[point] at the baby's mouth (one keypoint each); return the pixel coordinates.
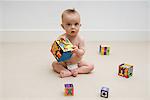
(72, 32)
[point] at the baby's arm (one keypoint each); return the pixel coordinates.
(79, 50)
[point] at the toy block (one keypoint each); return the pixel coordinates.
(62, 49)
(104, 50)
(104, 92)
(69, 90)
(125, 70)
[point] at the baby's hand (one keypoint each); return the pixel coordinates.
(62, 38)
(75, 49)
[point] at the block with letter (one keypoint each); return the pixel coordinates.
(69, 90)
(104, 49)
(104, 92)
(62, 49)
(125, 70)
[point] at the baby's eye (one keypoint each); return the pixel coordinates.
(76, 24)
(68, 24)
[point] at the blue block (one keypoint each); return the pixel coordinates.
(65, 56)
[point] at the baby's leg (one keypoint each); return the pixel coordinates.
(85, 67)
(60, 68)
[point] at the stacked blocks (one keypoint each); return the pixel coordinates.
(69, 90)
(104, 92)
(125, 70)
(104, 50)
(62, 49)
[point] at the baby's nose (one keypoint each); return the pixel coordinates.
(73, 26)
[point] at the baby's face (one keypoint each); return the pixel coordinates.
(71, 23)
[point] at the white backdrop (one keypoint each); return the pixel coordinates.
(103, 20)
(95, 15)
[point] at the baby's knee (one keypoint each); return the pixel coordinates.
(91, 67)
(54, 64)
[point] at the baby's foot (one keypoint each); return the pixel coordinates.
(74, 72)
(65, 73)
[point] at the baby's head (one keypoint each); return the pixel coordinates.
(71, 22)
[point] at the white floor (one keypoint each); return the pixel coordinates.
(27, 74)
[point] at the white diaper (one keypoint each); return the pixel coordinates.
(72, 66)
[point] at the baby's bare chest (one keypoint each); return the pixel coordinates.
(75, 42)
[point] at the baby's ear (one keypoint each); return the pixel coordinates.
(80, 25)
(62, 26)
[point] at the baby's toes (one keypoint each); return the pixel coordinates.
(75, 73)
(65, 73)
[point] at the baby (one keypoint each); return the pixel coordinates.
(75, 65)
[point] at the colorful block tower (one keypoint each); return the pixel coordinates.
(125, 70)
(69, 90)
(62, 49)
(104, 92)
(104, 50)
